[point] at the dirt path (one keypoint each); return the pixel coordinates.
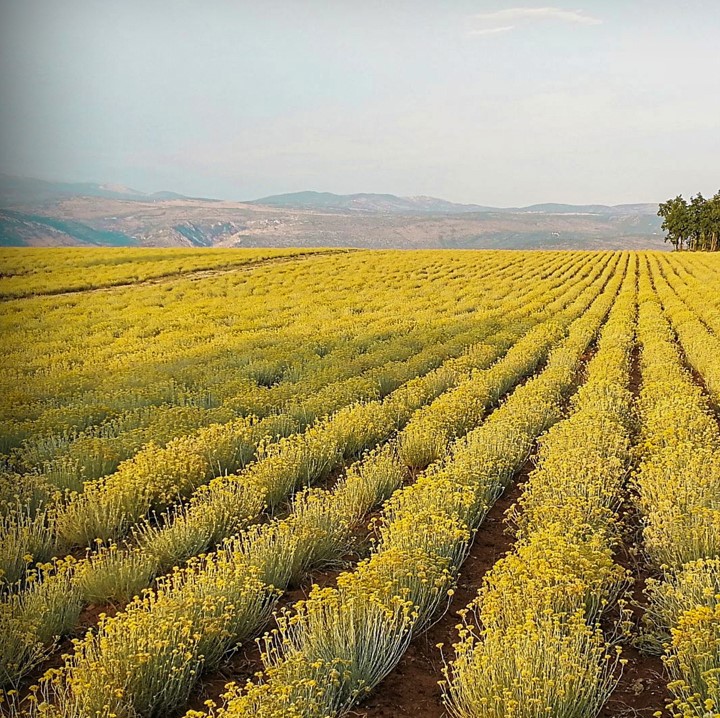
(190, 274)
(412, 689)
(642, 689)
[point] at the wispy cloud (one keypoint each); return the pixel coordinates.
(491, 30)
(496, 22)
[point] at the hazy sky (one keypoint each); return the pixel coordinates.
(499, 103)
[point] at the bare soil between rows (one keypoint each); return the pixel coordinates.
(642, 688)
(412, 688)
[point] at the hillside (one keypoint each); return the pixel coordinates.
(369, 202)
(40, 213)
(366, 202)
(30, 191)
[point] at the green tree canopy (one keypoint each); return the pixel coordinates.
(694, 225)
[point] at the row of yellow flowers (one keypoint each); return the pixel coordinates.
(114, 502)
(292, 372)
(245, 378)
(108, 507)
(215, 357)
(303, 457)
(28, 272)
(700, 345)
(227, 505)
(70, 362)
(530, 643)
(698, 290)
(702, 270)
(147, 659)
(331, 650)
(429, 431)
(41, 532)
(244, 607)
(678, 484)
(49, 607)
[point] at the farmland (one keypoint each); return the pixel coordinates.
(302, 483)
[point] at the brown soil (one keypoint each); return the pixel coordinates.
(412, 689)
(241, 666)
(642, 689)
(90, 615)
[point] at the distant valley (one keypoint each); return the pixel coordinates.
(39, 213)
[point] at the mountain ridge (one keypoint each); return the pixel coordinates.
(16, 190)
(42, 213)
(383, 202)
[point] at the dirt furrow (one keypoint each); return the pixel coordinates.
(412, 688)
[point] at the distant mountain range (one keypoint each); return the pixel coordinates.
(36, 212)
(369, 202)
(366, 202)
(28, 190)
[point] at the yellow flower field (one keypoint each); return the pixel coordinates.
(247, 483)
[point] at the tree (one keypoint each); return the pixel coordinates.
(712, 218)
(694, 226)
(697, 225)
(676, 223)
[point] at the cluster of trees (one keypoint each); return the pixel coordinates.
(693, 225)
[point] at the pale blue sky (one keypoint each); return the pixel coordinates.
(500, 103)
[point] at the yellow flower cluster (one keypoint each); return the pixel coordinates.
(700, 345)
(368, 365)
(336, 646)
(455, 412)
(531, 643)
(230, 503)
(678, 485)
